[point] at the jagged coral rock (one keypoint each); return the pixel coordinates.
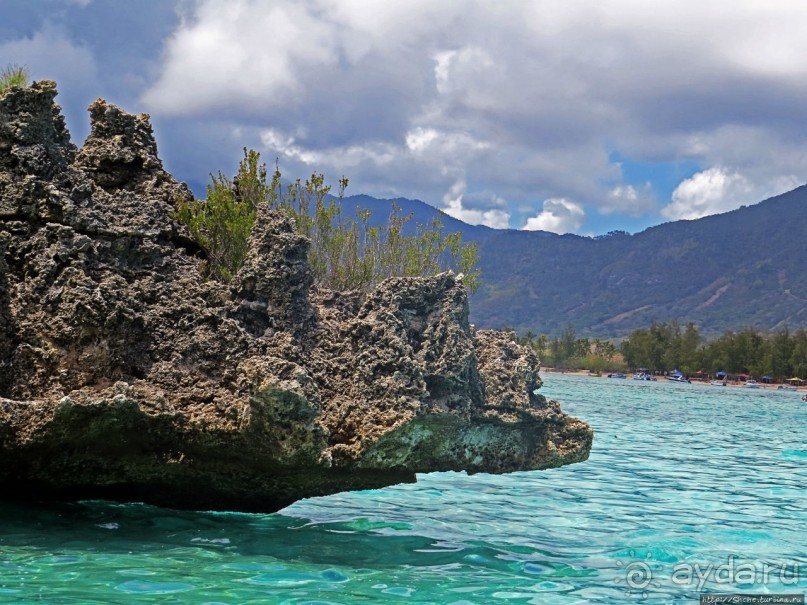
(5, 318)
(33, 136)
(274, 281)
(121, 150)
(125, 375)
(510, 372)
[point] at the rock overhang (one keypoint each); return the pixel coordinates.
(125, 375)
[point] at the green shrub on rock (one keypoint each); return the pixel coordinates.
(13, 75)
(347, 252)
(222, 222)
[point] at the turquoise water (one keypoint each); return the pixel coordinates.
(689, 489)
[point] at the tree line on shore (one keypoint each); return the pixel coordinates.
(666, 346)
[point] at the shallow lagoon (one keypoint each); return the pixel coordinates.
(689, 488)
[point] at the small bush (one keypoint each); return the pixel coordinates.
(346, 252)
(222, 222)
(13, 75)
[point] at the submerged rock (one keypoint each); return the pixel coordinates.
(125, 375)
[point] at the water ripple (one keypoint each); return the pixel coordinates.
(681, 478)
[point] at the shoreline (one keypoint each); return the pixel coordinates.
(729, 383)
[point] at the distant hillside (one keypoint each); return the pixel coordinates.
(742, 268)
(423, 214)
(745, 268)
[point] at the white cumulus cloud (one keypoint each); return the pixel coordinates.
(709, 192)
(331, 158)
(558, 216)
(527, 100)
(630, 200)
(496, 218)
(241, 53)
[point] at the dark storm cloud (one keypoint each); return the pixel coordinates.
(496, 111)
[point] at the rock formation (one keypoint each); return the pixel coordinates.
(125, 375)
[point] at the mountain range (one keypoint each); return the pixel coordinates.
(742, 269)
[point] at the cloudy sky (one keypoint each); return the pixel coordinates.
(577, 116)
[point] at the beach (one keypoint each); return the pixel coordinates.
(728, 383)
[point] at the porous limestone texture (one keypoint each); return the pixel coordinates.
(124, 374)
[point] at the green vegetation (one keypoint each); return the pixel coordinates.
(221, 224)
(667, 346)
(663, 347)
(347, 252)
(13, 75)
(567, 351)
(660, 347)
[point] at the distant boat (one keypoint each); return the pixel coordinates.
(786, 387)
(752, 384)
(718, 383)
(619, 375)
(677, 378)
(643, 376)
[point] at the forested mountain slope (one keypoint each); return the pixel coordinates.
(743, 268)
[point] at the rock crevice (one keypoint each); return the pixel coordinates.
(125, 375)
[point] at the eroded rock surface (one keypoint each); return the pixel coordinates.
(125, 375)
